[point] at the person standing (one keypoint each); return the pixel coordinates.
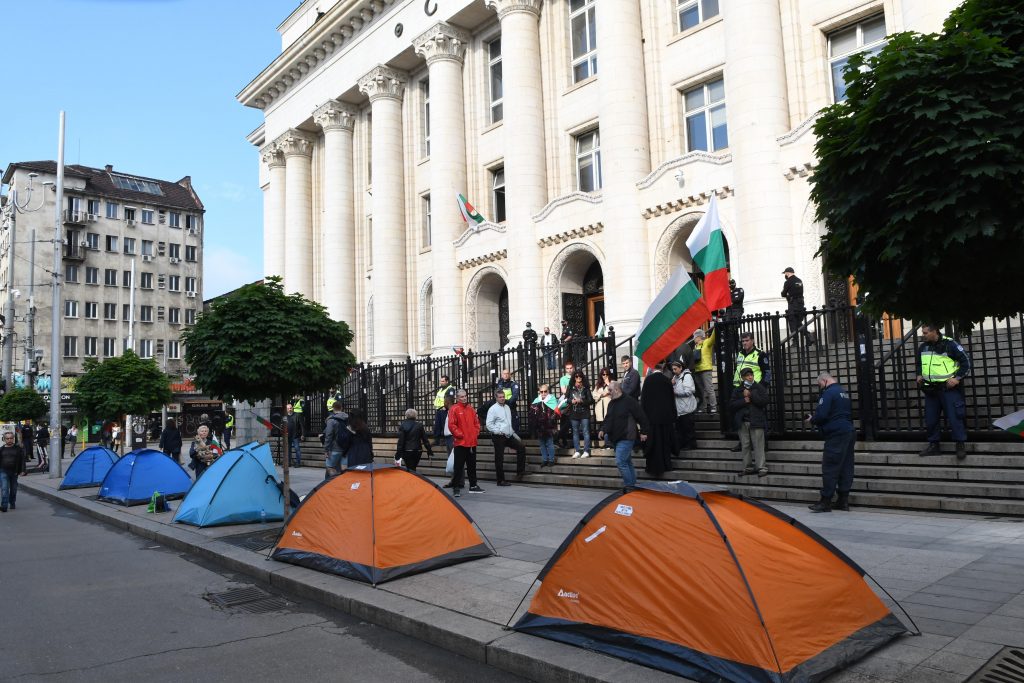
(703, 370)
(204, 450)
(685, 392)
(444, 390)
(72, 438)
(43, 444)
(602, 397)
(630, 378)
(567, 350)
(564, 425)
(659, 405)
(12, 463)
(625, 423)
(465, 427)
(544, 424)
(510, 388)
(529, 335)
(63, 439)
(28, 440)
(412, 440)
(747, 404)
(360, 446)
(796, 310)
(735, 310)
(336, 440)
(549, 343)
(115, 436)
(834, 417)
(294, 422)
(942, 365)
(170, 440)
(229, 428)
(753, 358)
(578, 401)
(499, 424)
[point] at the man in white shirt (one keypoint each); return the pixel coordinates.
(499, 424)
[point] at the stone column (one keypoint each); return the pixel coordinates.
(385, 88)
(298, 249)
(338, 257)
(625, 159)
(526, 190)
(923, 16)
(757, 112)
(273, 211)
(444, 48)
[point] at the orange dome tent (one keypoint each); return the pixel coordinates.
(709, 585)
(375, 523)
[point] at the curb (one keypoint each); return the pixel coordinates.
(527, 656)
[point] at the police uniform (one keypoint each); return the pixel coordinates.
(834, 418)
(440, 414)
(756, 360)
(937, 362)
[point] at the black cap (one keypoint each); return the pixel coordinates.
(746, 371)
(789, 270)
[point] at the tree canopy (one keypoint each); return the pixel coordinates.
(124, 384)
(259, 343)
(22, 404)
(920, 170)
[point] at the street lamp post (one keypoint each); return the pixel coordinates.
(55, 351)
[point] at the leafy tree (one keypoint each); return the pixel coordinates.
(125, 384)
(260, 343)
(920, 170)
(22, 404)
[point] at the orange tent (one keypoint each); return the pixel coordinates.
(709, 585)
(375, 523)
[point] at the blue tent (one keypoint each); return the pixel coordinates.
(89, 468)
(240, 487)
(133, 479)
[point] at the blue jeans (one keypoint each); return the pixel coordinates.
(547, 448)
(583, 425)
(950, 402)
(9, 486)
(296, 451)
(624, 461)
(549, 357)
(337, 461)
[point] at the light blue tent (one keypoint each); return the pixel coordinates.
(134, 478)
(240, 487)
(89, 468)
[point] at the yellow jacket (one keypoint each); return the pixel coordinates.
(707, 349)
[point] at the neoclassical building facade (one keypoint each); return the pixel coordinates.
(590, 135)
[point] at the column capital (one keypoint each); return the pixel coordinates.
(506, 7)
(383, 82)
(334, 115)
(295, 143)
(271, 155)
(442, 42)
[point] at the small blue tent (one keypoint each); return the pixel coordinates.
(133, 479)
(89, 468)
(240, 487)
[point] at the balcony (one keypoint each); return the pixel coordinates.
(75, 217)
(75, 252)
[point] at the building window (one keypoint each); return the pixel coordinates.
(494, 74)
(110, 277)
(583, 32)
(174, 283)
(425, 115)
(174, 219)
(705, 117)
(91, 310)
(173, 349)
(692, 12)
(174, 316)
(70, 308)
(109, 348)
(92, 241)
(190, 284)
(94, 207)
(92, 275)
(425, 228)
(70, 347)
(191, 253)
(112, 209)
(145, 348)
(147, 216)
(71, 273)
(146, 314)
(498, 194)
(111, 242)
(126, 313)
(135, 184)
(146, 281)
(90, 347)
(191, 222)
(126, 278)
(147, 247)
(190, 316)
(588, 161)
(867, 36)
(129, 214)
(129, 246)
(174, 250)
(110, 311)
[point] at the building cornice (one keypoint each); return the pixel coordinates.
(569, 235)
(588, 197)
(476, 229)
(686, 202)
(798, 132)
(679, 162)
(499, 255)
(802, 171)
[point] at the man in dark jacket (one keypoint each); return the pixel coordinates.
(624, 422)
(630, 378)
(747, 404)
(170, 440)
(942, 365)
(793, 292)
(834, 417)
(412, 439)
(294, 421)
(336, 440)
(12, 463)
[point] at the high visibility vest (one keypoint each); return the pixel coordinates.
(439, 397)
(938, 367)
(330, 403)
(297, 405)
(230, 422)
(750, 360)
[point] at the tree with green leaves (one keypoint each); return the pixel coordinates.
(122, 385)
(22, 404)
(920, 170)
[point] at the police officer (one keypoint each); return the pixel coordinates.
(834, 418)
(529, 335)
(735, 310)
(793, 292)
(229, 429)
(942, 365)
(749, 356)
(440, 412)
(510, 388)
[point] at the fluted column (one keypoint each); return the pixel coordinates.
(273, 211)
(444, 48)
(625, 159)
(338, 254)
(298, 249)
(526, 190)
(757, 112)
(385, 88)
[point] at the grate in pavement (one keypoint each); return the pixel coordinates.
(271, 604)
(260, 540)
(1007, 666)
(237, 596)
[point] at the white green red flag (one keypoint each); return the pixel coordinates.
(707, 248)
(677, 311)
(600, 329)
(1013, 423)
(470, 214)
(550, 401)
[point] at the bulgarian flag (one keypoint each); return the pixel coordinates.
(677, 311)
(550, 402)
(707, 248)
(473, 217)
(1013, 423)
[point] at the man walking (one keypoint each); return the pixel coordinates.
(549, 342)
(793, 292)
(12, 463)
(942, 365)
(440, 412)
(703, 365)
(465, 428)
(499, 424)
(624, 423)
(294, 421)
(747, 404)
(336, 440)
(834, 417)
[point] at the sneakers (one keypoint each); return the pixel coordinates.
(931, 449)
(576, 455)
(500, 483)
(475, 489)
(456, 493)
(586, 454)
(961, 450)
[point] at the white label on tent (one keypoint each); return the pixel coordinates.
(355, 485)
(624, 510)
(594, 535)
(297, 533)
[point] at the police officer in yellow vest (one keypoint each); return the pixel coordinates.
(749, 356)
(440, 412)
(229, 429)
(942, 365)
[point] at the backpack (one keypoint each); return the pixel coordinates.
(341, 435)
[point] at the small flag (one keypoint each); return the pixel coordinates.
(707, 247)
(600, 329)
(550, 401)
(672, 317)
(469, 214)
(1013, 423)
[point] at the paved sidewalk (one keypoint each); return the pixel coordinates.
(959, 577)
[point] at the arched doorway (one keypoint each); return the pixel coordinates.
(672, 251)
(580, 288)
(488, 311)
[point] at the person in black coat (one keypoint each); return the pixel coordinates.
(412, 440)
(170, 440)
(659, 405)
(360, 446)
(27, 440)
(748, 404)
(12, 464)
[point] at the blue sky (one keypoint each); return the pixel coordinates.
(148, 86)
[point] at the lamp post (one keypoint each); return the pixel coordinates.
(55, 351)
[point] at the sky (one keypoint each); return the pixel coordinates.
(148, 86)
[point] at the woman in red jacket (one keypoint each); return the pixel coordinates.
(465, 428)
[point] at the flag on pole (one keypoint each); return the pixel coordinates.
(470, 214)
(676, 312)
(707, 248)
(1013, 423)
(600, 329)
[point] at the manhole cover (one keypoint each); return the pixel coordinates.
(1007, 666)
(258, 541)
(237, 596)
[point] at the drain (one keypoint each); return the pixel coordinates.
(271, 604)
(250, 599)
(1007, 666)
(261, 540)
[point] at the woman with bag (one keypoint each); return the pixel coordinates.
(578, 399)
(411, 436)
(205, 449)
(602, 397)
